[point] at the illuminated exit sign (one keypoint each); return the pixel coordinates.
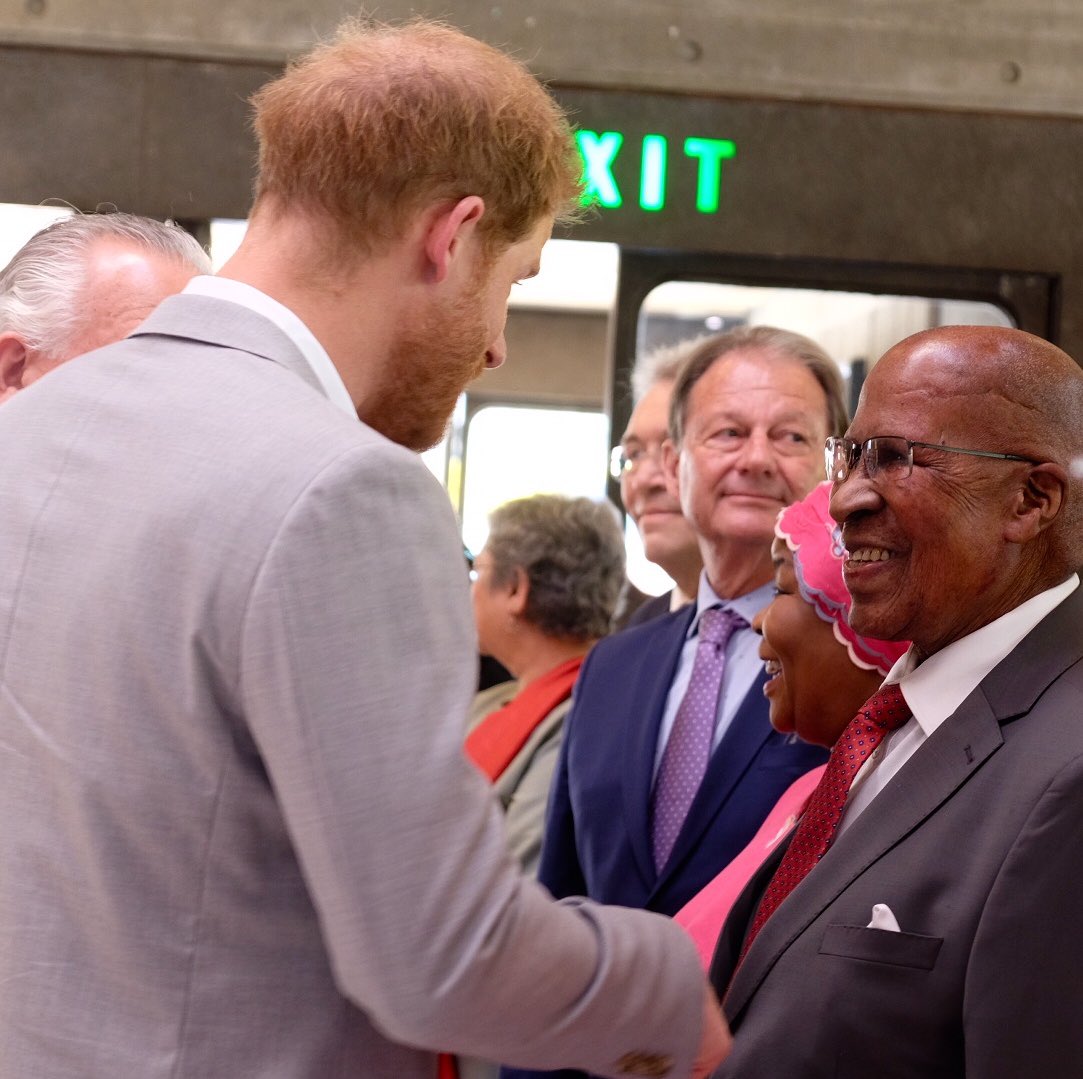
(599, 151)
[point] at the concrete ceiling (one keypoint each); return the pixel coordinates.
(990, 55)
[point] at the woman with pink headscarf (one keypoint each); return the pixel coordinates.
(821, 672)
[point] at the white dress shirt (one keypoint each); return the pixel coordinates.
(225, 288)
(935, 689)
(743, 663)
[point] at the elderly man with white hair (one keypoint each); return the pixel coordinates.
(669, 540)
(84, 282)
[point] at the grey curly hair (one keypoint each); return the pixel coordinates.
(572, 551)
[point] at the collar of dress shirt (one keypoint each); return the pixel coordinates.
(747, 606)
(935, 688)
(677, 599)
(225, 288)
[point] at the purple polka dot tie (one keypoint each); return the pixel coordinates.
(881, 714)
(688, 750)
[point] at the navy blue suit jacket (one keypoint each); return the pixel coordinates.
(597, 835)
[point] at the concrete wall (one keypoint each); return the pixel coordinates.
(553, 357)
(1004, 55)
(930, 134)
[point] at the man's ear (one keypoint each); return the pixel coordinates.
(671, 459)
(448, 230)
(12, 364)
(1036, 502)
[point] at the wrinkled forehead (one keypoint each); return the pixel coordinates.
(650, 417)
(928, 393)
(757, 385)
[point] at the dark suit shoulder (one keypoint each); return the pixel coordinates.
(640, 639)
(649, 609)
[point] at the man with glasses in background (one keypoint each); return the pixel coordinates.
(668, 538)
(924, 919)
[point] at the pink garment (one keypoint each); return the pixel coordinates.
(818, 557)
(702, 916)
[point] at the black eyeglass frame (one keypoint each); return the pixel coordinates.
(855, 451)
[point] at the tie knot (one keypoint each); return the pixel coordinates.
(716, 626)
(887, 708)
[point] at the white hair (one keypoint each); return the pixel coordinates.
(40, 287)
(661, 365)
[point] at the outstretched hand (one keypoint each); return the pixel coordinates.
(715, 1041)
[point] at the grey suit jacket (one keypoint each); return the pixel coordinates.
(976, 846)
(240, 838)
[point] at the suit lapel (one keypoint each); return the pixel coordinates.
(940, 768)
(1053, 646)
(230, 325)
(658, 655)
(936, 771)
(732, 935)
(747, 733)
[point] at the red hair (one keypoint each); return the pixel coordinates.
(381, 121)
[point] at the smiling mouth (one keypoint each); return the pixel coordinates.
(868, 554)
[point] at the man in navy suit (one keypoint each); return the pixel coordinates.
(749, 415)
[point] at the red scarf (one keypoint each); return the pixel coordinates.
(494, 742)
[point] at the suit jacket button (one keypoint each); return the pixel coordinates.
(649, 1065)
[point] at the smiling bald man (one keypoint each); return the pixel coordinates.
(938, 933)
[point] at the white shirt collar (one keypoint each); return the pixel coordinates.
(936, 688)
(315, 355)
(747, 606)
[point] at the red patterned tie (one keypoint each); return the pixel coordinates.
(882, 713)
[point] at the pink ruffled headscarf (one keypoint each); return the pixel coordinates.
(815, 539)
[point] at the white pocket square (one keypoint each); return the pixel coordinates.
(882, 918)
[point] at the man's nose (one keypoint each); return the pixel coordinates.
(852, 495)
(650, 464)
(497, 352)
(757, 452)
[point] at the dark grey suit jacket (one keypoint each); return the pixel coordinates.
(977, 847)
(239, 834)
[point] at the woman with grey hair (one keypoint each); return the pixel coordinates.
(545, 587)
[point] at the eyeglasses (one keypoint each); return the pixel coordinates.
(890, 454)
(623, 460)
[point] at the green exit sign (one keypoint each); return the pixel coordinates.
(599, 151)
